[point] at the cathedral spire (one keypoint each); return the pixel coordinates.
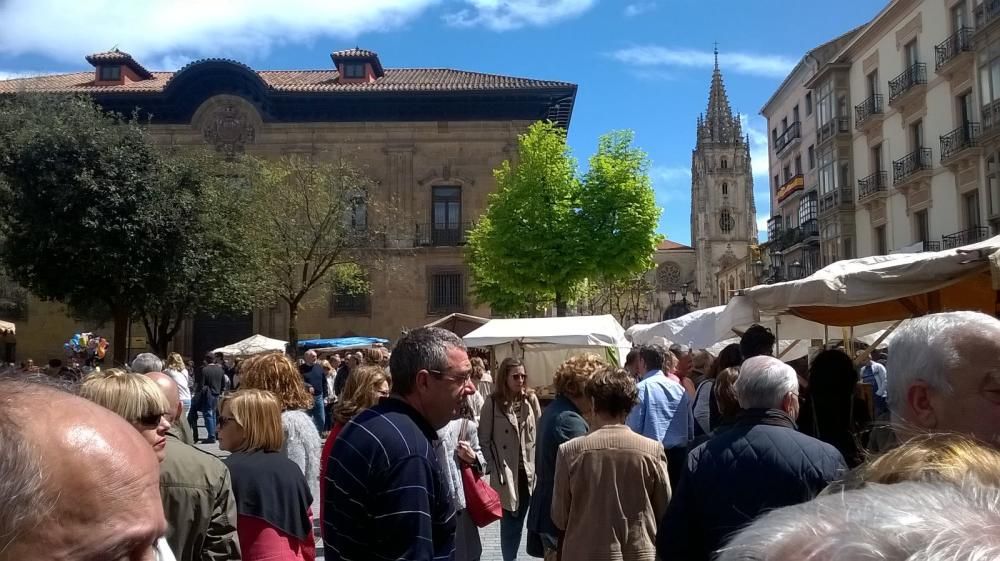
(719, 124)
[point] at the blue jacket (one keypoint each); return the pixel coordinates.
(560, 422)
(760, 464)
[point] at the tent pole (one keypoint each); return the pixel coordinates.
(867, 352)
(826, 335)
(788, 348)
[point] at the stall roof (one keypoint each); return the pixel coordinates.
(253, 345)
(575, 330)
(458, 323)
(7, 328)
(342, 343)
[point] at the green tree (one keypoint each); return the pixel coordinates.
(314, 223)
(528, 244)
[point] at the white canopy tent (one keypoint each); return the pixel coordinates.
(254, 345)
(7, 328)
(544, 343)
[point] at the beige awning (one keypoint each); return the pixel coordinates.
(6, 328)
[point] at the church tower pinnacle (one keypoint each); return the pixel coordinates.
(723, 214)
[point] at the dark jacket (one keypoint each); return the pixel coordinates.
(561, 421)
(198, 503)
(759, 464)
(213, 377)
(314, 377)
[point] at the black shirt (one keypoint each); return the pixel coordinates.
(213, 377)
(314, 376)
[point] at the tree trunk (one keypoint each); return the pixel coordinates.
(293, 329)
(560, 304)
(119, 345)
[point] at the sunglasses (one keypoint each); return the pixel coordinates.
(151, 420)
(519, 376)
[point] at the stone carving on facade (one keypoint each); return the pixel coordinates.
(229, 129)
(668, 276)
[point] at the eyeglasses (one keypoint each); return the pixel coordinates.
(151, 420)
(519, 376)
(464, 379)
(223, 421)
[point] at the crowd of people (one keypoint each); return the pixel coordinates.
(680, 455)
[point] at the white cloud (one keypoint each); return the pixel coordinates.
(762, 226)
(672, 185)
(505, 15)
(14, 74)
(639, 8)
(166, 34)
(771, 66)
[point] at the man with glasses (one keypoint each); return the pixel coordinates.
(385, 497)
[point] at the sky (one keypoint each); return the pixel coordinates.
(643, 65)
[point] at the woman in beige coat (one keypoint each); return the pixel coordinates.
(507, 427)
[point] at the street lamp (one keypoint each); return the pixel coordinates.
(695, 296)
(758, 269)
(795, 270)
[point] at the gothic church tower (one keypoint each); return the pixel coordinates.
(723, 215)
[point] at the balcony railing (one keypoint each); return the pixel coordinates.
(864, 111)
(932, 246)
(991, 117)
(953, 46)
(833, 127)
(916, 161)
(966, 136)
(965, 237)
(810, 228)
(774, 227)
(872, 186)
(442, 234)
(907, 80)
(791, 133)
(986, 13)
(838, 199)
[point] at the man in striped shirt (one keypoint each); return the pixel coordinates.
(385, 495)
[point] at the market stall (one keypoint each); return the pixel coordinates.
(544, 343)
(341, 344)
(254, 345)
(460, 324)
(7, 328)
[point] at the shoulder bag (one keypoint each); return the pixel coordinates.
(482, 502)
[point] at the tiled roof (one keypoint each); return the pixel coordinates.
(121, 57)
(353, 53)
(666, 245)
(294, 81)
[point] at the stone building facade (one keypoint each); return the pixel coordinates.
(723, 215)
(429, 138)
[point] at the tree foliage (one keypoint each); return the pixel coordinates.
(314, 222)
(546, 230)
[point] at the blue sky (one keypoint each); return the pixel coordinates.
(643, 65)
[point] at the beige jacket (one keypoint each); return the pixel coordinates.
(504, 445)
(611, 489)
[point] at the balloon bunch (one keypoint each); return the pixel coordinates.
(87, 346)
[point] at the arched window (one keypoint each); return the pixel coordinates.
(726, 221)
(725, 163)
(722, 293)
(725, 189)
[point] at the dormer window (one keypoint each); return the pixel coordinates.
(110, 73)
(354, 70)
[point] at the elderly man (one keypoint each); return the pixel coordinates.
(197, 493)
(78, 482)
(315, 380)
(945, 375)
(759, 464)
(145, 363)
(909, 520)
(385, 495)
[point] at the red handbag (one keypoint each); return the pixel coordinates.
(482, 502)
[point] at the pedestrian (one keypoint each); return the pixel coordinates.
(145, 363)
(874, 374)
(210, 385)
(315, 380)
(174, 367)
(664, 409)
(943, 375)
(457, 447)
(833, 412)
(724, 396)
(632, 363)
(477, 399)
(683, 364)
(196, 491)
(507, 430)
(757, 340)
(330, 398)
(390, 448)
(484, 383)
(368, 385)
(563, 420)
(611, 485)
(351, 363)
(139, 401)
(272, 497)
(705, 408)
(275, 372)
(78, 481)
(701, 366)
(759, 464)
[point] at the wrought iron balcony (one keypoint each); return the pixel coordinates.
(774, 227)
(867, 110)
(794, 183)
(909, 165)
(932, 246)
(952, 47)
(438, 234)
(991, 118)
(838, 199)
(832, 128)
(909, 79)
(965, 237)
(986, 14)
(873, 186)
(958, 140)
(792, 133)
(810, 228)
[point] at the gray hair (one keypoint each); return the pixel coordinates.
(424, 348)
(925, 348)
(145, 363)
(899, 522)
(26, 497)
(764, 382)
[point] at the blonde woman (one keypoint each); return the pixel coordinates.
(174, 367)
(272, 497)
(508, 424)
(277, 374)
(138, 400)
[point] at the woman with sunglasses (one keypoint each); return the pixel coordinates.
(272, 498)
(507, 430)
(363, 389)
(138, 400)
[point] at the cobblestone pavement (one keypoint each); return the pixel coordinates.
(490, 535)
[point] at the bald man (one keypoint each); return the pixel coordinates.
(77, 482)
(197, 494)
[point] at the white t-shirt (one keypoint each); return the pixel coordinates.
(181, 379)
